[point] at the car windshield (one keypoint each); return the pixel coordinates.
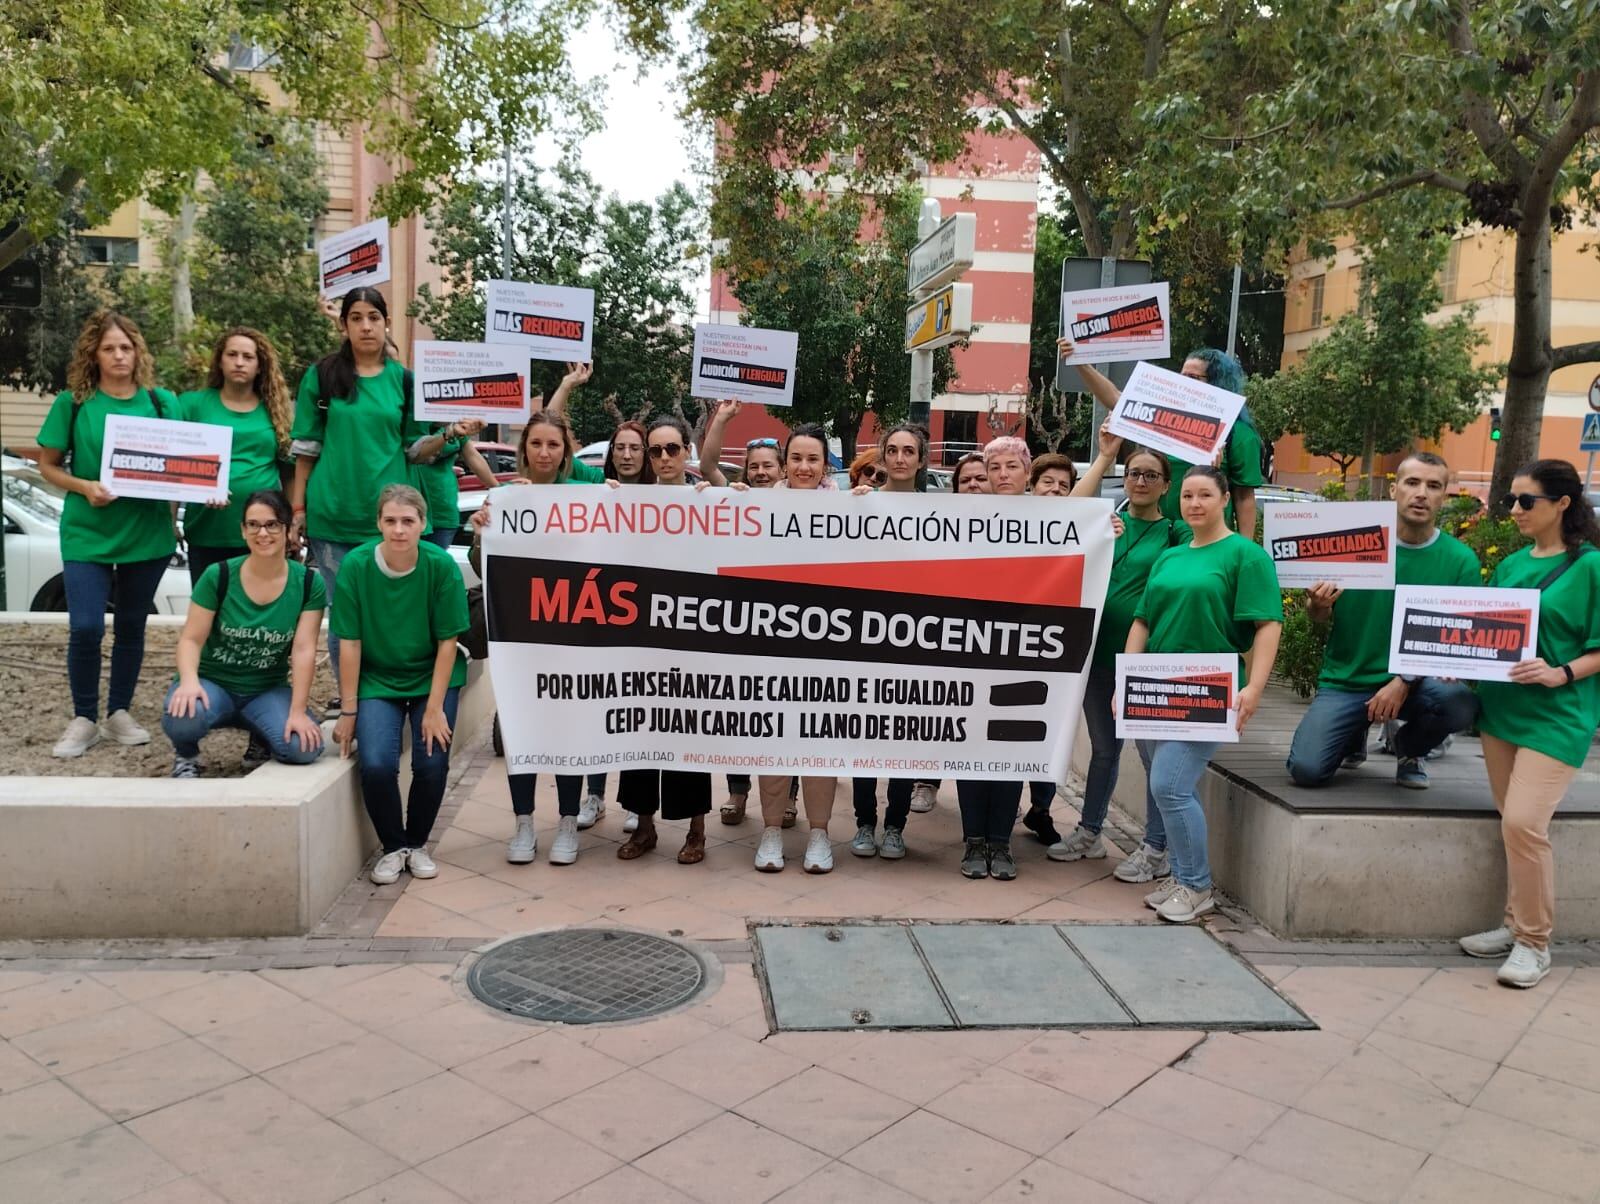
(34, 494)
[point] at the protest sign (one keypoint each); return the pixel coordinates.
(1474, 633)
(744, 363)
(788, 631)
(1179, 417)
(1350, 544)
(354, 258)
(471, 380)
(165, 460)
(547, 321)
(1111, 325)
(1162, 696)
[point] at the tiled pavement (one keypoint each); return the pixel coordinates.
(376, 1080)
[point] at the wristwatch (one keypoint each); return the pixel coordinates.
(1571, 677)
(1410, 679)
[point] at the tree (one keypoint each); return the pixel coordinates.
(1448, 111)
(1384, 378)
(834, 270)
(106, 100)
(638, 258)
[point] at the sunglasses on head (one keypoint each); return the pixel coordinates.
(1525, 500)
(658, 450)
(769, 441)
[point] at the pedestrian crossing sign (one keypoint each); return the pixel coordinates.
(1589, 441)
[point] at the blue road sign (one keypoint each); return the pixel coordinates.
(1589, 441)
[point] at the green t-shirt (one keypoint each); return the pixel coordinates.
(253, 465)
(585, 474)
(1357, 655)
(247, 652)
(364, 441)
(437, 483)
(400, 621)
(1138, 548)
(1241, 464)
(128, 529)
(1558, 722)
(1210, 598)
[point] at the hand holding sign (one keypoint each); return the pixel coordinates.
(164, 460)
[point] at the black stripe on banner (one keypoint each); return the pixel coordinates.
(1019, 694)
(1017, 731)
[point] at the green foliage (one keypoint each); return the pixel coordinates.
(638, 258)
(1300, 647)
(846, 297)
(1492, 538)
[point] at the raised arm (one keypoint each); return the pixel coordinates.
(1106, 393)
(577, 375)
(711, 445)
(1110, 445)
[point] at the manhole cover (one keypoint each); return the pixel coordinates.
(586, 976)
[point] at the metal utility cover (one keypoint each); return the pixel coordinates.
(586, 975)
(847, 976)
(1017, 976)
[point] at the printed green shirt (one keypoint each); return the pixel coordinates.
(1210, 598)
(247, 652)
(126, 530)
(252, 466)
(400, 621)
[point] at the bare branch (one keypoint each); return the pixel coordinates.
(1241, 139)
(1122, 14)
(1479, 115)
(1575, 353)
(1434, 179)
(1582, 115)
(21, 240)
(240, 90)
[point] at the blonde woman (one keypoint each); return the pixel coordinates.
(112, 549)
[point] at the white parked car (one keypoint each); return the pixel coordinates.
(33, 547)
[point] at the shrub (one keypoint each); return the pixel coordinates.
(1300, 647)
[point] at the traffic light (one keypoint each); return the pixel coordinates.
(1494, 424)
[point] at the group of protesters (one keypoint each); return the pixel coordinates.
(370, 492)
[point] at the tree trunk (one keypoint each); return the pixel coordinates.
(1369, 458)
(1528, 369)
(182, 292)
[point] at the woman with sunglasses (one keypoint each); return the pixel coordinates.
(676, 794)
(1537, 728)
(866, 473)
(805, 466)
(249, 646)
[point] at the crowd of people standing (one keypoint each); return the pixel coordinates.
(370, 492)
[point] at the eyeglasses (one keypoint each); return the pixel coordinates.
(875, 476)
(268, 528)
(1144, 474)
(1525, 500)
(767, 442)
(658, 450)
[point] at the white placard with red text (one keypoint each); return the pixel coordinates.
(1349, 544)
(744, 363)
(354, 258)
(547, 321)
(1173, 414)
(470, 380)
(1471, 632)
(166, 460)
(1112, 325)
(1167, 696)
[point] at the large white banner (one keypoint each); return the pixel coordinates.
(166, 460)
(1173, 414)
(470, 380)
(1350, 544)
(1471, 632)
(893, 635)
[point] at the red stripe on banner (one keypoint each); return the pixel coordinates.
(1027, 580)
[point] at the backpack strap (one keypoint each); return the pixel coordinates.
(305, 587)
(222, 584)
(1567, 561)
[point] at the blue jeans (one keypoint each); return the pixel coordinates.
(1337, 719)
(1174, 768)
(445, 537)
(988, 810)
(1105, 755)
(380, 723)
(264, 714)
(90, 586)
(203, 556)
(329, 556)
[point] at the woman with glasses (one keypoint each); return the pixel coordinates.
(676, 794)
(866, 473)
(248, 649)
(1537, 728)
(626, 463)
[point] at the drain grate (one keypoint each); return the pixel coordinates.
(586, 976)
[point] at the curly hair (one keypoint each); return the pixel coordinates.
(861, 463)
(83, 372)
(268, 385)
(1560, 479)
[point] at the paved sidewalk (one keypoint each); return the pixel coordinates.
(379, 1080)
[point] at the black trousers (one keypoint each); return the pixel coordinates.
(676, 794)
(569, 791)
(1041, 794)
(988, 810)
(864, 794)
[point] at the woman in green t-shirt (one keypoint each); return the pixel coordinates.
(1216, 593)
(353, 435)
(249, 646)
(400, 605)
(112, 549)
(1537, 729)
(244, 392)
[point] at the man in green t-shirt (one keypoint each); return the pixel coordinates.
(1356, 688)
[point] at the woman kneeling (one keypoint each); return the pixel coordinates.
(398, 607)
(251, 619)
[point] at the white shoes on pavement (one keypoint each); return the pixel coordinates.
(923, 797)
(120, 727)
(1526, 967)
(590, 811)
(420, 864)
(564, 850)
(1497, 942)
(1185, 905)
(1079, 845)
(389, 866)
(524, 844)
(1144, 864)
(819, 852)
(769, 853)
(81, 735)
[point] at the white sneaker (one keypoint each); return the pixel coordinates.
(631, 824)
(564, 850)
(1080, 844)
(81, 735)
(524, 844)
(589, 812)
(120, 727)
(769, 853)
(1185, 905)
(819, 852)
(1164, 890)
(1526, 967)
(389, 866)
(420, 864)
(923, 797)
(1497, 942)
(1144, 864)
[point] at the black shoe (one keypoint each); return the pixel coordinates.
(975, 861)
(257, 753)
(1002, 865)
(1037, 821)
(333, 708)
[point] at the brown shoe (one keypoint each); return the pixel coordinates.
(638, 844)
(789, 815)
(733, 809)
(694, 849)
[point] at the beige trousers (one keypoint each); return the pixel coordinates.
(1527, 787)
(816, 793)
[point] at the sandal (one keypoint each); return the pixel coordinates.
(638, 844)
(733, 812)
(789, 815)
(694, 849)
